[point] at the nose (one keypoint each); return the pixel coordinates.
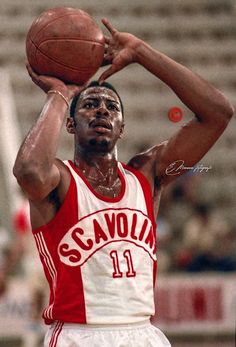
(102, 111)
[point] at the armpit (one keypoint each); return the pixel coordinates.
(53, 198)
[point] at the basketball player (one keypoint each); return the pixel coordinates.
(93, 218)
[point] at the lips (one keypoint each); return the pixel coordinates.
(101, 123)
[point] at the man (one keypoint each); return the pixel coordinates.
(92, 217)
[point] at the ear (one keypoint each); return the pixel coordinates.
(122, 129)
(70, 125)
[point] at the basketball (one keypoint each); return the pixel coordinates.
(65, 43)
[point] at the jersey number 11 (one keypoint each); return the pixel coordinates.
(116, 264)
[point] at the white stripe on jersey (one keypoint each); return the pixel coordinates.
(43, 250)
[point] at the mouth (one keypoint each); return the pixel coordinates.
(101, 125)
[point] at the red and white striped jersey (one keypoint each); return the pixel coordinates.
(99, 253)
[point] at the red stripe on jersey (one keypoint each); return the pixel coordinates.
(47, 239)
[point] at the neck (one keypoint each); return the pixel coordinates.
(99, 168)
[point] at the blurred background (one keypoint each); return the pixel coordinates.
(196, 228)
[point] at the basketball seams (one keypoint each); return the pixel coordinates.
(56, 61)
(60, 63)
(35, 52)
(70, 39)
(52, 21)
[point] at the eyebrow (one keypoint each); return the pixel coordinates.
(97, 98)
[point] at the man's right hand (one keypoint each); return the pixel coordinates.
(47, 83)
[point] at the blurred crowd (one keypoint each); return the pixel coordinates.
(19, 257)
(192, 235)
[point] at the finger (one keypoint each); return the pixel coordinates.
(107, 39)
(28, 67)
(109, 26)
(105, 50)
(31, 71)
(107, 60)
(107, 73)
(79, 89)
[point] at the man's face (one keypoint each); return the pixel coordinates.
(98, 119)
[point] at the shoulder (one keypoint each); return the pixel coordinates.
(62, 186)
(43, 211)
(61, 164)
(146, 161)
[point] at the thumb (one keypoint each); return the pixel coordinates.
(107, 73)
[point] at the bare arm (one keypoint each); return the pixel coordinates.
(212, 109)
(35, 166)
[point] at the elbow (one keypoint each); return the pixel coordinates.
(231, 111)
(30, 181)
(222, 109)
(224, 115)
(18, 170)
(229, 114)
(25, 173)
(22, 170)
(227, 111)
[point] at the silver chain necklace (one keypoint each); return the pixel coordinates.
(104, 178)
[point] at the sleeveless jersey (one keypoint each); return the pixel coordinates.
(99, 253)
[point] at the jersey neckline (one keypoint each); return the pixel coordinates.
(100, 196)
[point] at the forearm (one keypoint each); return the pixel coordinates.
(38, 150)
(198, 95)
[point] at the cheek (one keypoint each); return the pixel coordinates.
(119, 131)
(82, 118)
(80, 126)
(119, 124)
(83, 113)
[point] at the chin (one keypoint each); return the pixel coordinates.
(100, 143)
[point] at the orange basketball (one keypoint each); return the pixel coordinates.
(66, 43)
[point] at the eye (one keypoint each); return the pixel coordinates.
(113, 107)
(89, 105)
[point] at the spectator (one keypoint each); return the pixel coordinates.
(10, 253)
(203, 236)
(33, 274)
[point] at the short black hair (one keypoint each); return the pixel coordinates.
(94, 84)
